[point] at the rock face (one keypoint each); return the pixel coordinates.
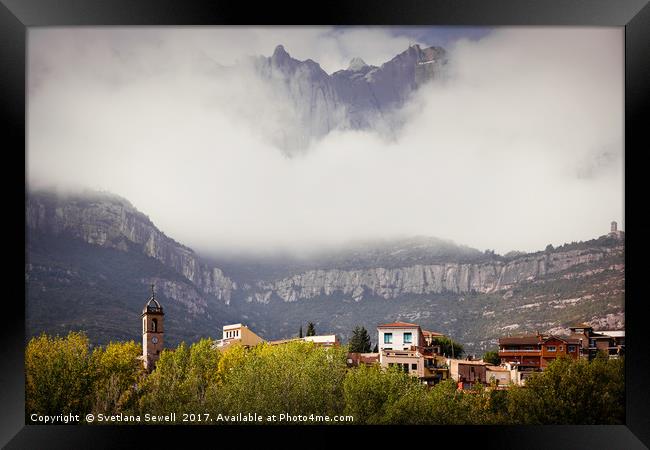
(73, 267)
(358, 97)
(419, 279)
(110, 221)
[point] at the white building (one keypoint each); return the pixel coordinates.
(398, 336)
(326, 340)
(238, 333)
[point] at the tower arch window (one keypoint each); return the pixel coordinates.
(154, 325)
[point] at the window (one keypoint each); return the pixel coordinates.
(154, 325)
(571, 348)
(560, 348)
(408, 338)
(388, 338)
(550, 348)
(414, 367)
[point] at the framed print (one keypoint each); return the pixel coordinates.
(239, 220)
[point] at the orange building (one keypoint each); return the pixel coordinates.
(533, 353)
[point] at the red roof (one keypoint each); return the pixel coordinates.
(432, 333)
(398, 325)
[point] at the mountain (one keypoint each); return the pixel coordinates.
(359, 97)
(91, 257)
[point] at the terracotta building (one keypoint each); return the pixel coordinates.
(609, 342)
(533, 353)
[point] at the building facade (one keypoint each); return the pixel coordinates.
(152, 331)
(607, 342)
(403, 345)
(238, 334)
(533, 353)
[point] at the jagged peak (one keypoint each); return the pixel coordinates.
(280, 51)
(356, 64)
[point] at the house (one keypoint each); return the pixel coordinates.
(328, 340)
(399, 336)
(502, 376)
(403, 345)
(467, 373)
(609, 342)
(533, 353)
(238, 334)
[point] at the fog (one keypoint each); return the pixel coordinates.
(520, 146)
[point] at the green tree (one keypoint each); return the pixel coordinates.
(181, 379)
(376, 349)
(300, 332)
(311, 330)
(492, 357)
(449, 347)
(58, 375)
(360, 340)
(572, 392)
(371, 391)
(116, 371)
(295, 378)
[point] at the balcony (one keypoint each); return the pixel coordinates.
(518, 352)
(401, 353)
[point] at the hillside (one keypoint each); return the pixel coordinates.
(91, 257)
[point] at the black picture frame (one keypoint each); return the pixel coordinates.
(16, 16)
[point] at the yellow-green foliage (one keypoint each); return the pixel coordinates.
(181, 379)
(58, 374)
(301, 378)
(572, 392)
(116, 372)
(295, 378)
(370, 392)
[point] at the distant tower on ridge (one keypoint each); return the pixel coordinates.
(615, 232)
(152, 331)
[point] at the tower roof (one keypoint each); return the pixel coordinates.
(152, 305)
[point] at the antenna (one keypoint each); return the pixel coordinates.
(153, 293)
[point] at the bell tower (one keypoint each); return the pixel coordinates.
(152, 331)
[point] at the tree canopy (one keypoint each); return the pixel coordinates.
(64, 376)
(360, 340)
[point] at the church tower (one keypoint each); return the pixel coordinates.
(152, 331)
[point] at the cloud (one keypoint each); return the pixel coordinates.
(521, 145)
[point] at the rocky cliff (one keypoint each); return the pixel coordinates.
(90, 257)
(420, 279)
(110, 221)
(359, 97)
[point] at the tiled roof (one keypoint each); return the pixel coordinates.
(431, 333)
(470, 362)
(568, 340)
(530, 339)
(398, 325)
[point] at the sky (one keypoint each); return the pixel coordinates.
(521, 146)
